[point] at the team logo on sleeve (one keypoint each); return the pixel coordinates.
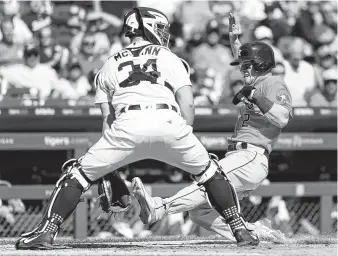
(283, 97)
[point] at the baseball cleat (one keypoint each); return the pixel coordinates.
(265, 232)
(245, 238)
(36, 241)
(147, 203)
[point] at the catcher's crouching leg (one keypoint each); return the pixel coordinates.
(63, 202)
(223, 198)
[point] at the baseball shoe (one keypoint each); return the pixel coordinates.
(265, 232)
(36, 241)
(151, 210)
(245, 238)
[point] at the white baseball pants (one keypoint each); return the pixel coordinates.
(159, 134)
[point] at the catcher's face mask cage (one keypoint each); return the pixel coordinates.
(162, 31)
(149, 23)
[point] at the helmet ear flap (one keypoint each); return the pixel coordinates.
(139, 18)
(128, 30)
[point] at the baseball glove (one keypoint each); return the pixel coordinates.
(114, 195)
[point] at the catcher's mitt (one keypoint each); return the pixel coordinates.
(114, 195)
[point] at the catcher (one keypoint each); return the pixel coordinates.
(146, 100)
(265, 108)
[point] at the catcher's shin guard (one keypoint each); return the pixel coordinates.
(63, 202)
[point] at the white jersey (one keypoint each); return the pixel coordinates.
(142, 73)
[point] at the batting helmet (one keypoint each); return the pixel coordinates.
(261, 55)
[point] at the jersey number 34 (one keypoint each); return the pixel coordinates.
(139, 73)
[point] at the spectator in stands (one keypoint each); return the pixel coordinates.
(118, 42)
(22, 34)
(279, 70)
(310, 25)
(87, 57)
(68, 21)
(327, 95)
(51, 54)
(99, 24)
(221, 10)
(10, 207)
(54, 55)
(10, 51)
(39, 15)
(328, 10)
(299, 74)
(193, 15)
(176, 28)
(39, 79)
(264, 34)
(244, 9)
(213, 55)
(89, 98)
(76, 84)
(276, 20)
(236, 83)
(106, 23)
(77, 23)
(292, 10)
(327, 58)
(204, 88)
(102, 43)
(178, 46)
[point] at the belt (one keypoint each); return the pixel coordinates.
(245, 145)
(148, 106)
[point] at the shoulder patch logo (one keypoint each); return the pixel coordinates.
(283, 97)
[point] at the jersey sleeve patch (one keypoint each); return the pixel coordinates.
(283, 97)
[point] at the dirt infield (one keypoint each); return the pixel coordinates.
(194, 246)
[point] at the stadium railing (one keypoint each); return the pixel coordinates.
(84, 221)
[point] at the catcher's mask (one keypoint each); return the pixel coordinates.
(149, 23)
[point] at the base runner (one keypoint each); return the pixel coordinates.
(265, 108)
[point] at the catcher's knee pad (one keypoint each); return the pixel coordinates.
(220, 193)
(72, 170)
(210, 171)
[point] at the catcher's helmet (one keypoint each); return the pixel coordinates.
(261, 55)
(149, 23)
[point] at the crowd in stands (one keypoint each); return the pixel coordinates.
(54, 49)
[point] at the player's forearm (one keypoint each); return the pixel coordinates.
(107, 122)
(188, 113)
(108, 115)
(235, 45)
(111, 19)
(234, 31)
(184, 98)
